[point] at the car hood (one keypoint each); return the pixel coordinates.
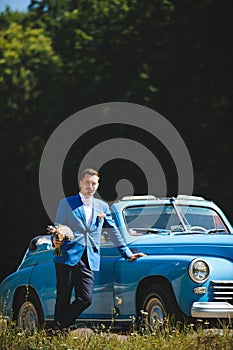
(185, 244)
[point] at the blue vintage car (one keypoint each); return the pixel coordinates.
(188, 269)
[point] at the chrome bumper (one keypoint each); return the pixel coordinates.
(212, 310)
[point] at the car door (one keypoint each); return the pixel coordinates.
(103, 298)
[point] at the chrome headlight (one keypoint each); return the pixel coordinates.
(199, 270)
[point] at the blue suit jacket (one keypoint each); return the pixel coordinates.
(70, 212)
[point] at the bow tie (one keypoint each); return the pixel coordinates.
(87, 201)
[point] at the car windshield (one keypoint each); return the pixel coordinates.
(156, 219)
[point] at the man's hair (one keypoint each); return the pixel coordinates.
(89, 171)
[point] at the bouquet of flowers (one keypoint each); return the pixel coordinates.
(61, 233)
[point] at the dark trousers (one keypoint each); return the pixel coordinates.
(81, 278)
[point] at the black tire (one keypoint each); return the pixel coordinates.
(157, 303)
(28, 313)
(153, 309)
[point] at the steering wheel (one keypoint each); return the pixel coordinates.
(198, 228)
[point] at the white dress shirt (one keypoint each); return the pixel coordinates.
(87, 202)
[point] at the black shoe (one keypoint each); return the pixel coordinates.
(56, 329)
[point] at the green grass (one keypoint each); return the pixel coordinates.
(168, 337)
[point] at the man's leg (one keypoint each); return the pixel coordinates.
(83, 282)
(64, 289)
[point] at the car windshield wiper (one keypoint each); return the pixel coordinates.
(150, 230)
(215, 230)
(200, 229)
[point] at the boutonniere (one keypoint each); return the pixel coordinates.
(100, 216)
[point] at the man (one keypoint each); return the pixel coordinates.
(86, 216)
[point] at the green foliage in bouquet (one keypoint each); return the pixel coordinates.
(60, 233)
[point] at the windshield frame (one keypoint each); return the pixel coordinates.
(184, 228)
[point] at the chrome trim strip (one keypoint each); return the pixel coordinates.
(212, 310)
(222, 281)
(221, 287)
(97, 320)
(103, 320)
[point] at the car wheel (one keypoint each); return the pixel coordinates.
(28, 315)
(156, 303)
(154, 309)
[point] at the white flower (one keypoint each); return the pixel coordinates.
(61, 233)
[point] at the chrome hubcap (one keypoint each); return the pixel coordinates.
(27, 317)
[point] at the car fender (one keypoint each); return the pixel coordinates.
(43, 281)
(9, 287)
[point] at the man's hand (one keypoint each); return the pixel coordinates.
(57, 243)
(136, 256)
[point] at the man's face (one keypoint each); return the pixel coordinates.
(88, 185)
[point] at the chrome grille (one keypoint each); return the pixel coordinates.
(222, 291)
